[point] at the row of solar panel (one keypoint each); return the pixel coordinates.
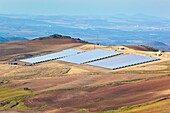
(53, 56)
(90, 56)
(74, 57)
(95, 57)
(122, 61)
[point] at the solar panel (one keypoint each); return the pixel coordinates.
(122, 61)
(52, 56)
(89, 56)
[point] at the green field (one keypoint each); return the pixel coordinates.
(6, 93)
(11, 98)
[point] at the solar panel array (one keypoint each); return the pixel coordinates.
(122, 61)
(52, 56)
(90, 56)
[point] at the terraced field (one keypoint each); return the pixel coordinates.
(7, 93)
(103, 98)
(60, 87)
(8, 97)
(158, 106)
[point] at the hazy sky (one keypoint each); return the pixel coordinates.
(86, 7)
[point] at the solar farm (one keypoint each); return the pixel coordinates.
(90, 56)
(104, 74)
(53, 56)
(97, 57)
(123, 61)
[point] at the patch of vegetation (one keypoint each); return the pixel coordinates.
(11, 98)
(7, 93)
(112, 83)
(83, 110)
(127, 108)
(21, 106)
(137, 80)
(2, 82)
(15, 103)
(95, 73)
(58, 36)
(39, 107)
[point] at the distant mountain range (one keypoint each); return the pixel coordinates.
(8, 39)
(58, 36)
(159, 45)
(119, 29)
(155, 44)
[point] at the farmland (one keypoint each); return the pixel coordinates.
(57, 86)
(7, 95)
(158, 106)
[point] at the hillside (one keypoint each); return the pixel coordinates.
(57, 36)
(62, 87)
(143, 48)
(44, 45)
(158, 45)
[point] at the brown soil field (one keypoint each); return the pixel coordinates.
(60, 75)
(66, 87)
(103, 98)
(140, 48)
(37, 47)
(65, 110)
(152, 67)
(74, 81)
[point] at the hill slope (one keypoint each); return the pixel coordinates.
(159, 45)
(57, 36)
(63, 87)
(37, 46)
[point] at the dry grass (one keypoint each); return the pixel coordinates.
(158, 67)
(158, 107)
(75, 70)
(50, 69)
(151, 67)
(13, 50)
(7, 93)
(55, 75)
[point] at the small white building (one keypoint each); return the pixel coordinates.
(159, 53)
